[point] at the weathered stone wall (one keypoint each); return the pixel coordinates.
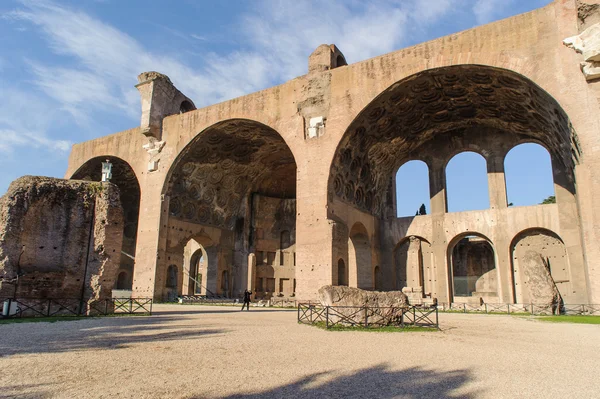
(59, 237)
(313, 114)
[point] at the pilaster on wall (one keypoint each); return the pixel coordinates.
(437, 188)
(151, 241)
(496, 182)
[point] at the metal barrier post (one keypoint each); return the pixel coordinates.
(508, 308)
(151, 302)
(327, 317)
(414, 316)
(485, 304)
(366, 318)
(130, 305)
(48, 312)
(464, 308)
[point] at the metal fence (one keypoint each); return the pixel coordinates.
(367, 317)
(224, 301)
(531, 309)
(49, 307)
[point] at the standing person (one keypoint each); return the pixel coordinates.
(247, 296)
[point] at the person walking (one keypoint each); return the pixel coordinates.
(247, 296)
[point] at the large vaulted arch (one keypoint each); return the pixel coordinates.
(444, 108)
(236, 180)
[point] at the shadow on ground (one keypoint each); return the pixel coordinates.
(375, 382)
(96, 333)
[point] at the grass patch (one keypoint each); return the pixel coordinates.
(54, 319)
(388, 329)
(570, 319)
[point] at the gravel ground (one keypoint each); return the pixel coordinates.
(210, 352)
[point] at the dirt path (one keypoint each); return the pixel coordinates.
(209, 351)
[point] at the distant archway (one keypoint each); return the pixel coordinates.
(540, 267)
(359, 258)
(472, 268)
(413, 265)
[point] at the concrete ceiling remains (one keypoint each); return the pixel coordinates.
(223, 165)
(422, 107)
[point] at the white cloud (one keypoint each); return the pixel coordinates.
(24, 120)
(101, 62)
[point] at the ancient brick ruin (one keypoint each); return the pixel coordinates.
(291, 188)
(46, 225)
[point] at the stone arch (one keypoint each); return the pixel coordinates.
(437, 106)
(198, 272)
(413, 267)
(200, 266)
(125, 178)
(359, 258)
(186, 106)
(224, 164)
(473, 275)
(540, 267)
(412, 206)
(238, 178)
(542, 182)
(477, 190)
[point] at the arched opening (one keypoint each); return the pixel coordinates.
(414, 268)
(359, 258)
(473, 273)
(377, 278)
(435, 114)
(237, 180)
(198, 270)
(340, 61)
(467, 182)
(186, 106)
(123, 282)
(342, 279)
(528, 175)
(171, 281)
(412, 189)
(540, 268)
(225, 282)
(124, 177)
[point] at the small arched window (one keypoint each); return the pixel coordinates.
(342, 273)
(172, 277)
(467, 183)
(528, 175)
(123, 281)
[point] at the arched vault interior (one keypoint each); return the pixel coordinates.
(437, 104)
(124, 177)
(223, 165)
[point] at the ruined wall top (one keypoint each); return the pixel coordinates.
(326, 57)
(160, 98)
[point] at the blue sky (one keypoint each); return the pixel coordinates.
(67, 68)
